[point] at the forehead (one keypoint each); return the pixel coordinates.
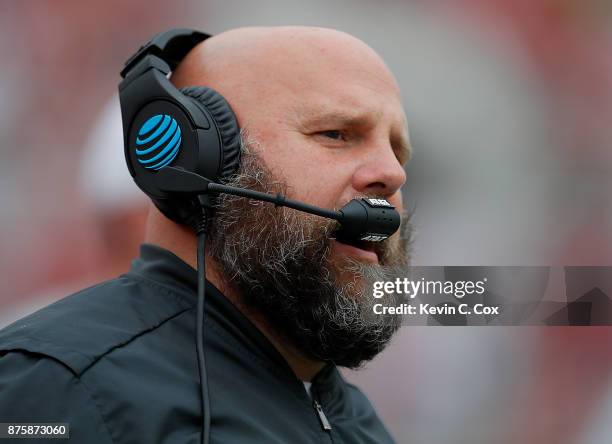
(346, 97)
(348, 103)
(344, 70)
(324, 81)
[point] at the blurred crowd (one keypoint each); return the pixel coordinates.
(509, 104)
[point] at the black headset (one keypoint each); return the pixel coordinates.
(193, 129)
(182, 145)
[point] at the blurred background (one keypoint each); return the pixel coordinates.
(509, 104)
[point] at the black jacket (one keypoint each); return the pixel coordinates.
(117, 361)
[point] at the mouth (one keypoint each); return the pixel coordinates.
(362, 250)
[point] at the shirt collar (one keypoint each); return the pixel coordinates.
(163, 266)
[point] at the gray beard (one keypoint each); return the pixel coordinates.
(278, 260)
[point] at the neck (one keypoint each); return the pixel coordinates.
(181, 241)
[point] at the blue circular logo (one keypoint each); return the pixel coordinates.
(158, 142)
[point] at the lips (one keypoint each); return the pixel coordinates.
(363, 245)
(359, 249)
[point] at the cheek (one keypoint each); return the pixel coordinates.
(397, 201)
(312, 173)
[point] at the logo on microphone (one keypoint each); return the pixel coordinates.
(379, 203)
(158, 142)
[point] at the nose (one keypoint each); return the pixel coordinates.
(380, 172)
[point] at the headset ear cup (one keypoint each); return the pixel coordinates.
(226, 122)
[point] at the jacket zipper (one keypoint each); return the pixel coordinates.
(322, 418)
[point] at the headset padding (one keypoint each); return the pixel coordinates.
(226, 121)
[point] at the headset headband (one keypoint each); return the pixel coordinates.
(170, 46)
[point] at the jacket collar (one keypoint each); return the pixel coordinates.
(162, 266)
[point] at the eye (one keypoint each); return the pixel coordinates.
(333, 134)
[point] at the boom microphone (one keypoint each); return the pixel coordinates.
(364, 219)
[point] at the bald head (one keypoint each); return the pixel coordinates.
(257, 54)
(259, 65)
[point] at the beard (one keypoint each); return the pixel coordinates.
(279, 260)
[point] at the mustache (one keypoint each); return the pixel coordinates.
(398, 247)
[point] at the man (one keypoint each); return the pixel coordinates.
(322, 121)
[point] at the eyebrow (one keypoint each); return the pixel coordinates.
(398, 138)
(316, 118)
